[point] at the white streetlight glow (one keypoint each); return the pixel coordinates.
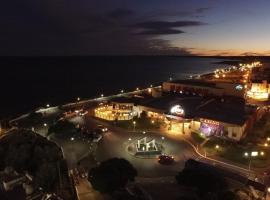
(254, 153)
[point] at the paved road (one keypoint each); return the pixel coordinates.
(114, 145)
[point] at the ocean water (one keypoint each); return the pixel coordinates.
(28, 82)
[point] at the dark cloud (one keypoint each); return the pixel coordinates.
(69, 28)
(121, 13)
(166, 24)
(164, 27)
(160, 32)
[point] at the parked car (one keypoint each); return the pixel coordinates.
(102, 128)
(165, 159)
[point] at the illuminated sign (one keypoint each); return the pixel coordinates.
(177, 110)
(208, 121)
(239, 87)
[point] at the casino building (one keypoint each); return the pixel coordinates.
(226, 118)
(211, 109)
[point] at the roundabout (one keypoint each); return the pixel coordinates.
(143, 150)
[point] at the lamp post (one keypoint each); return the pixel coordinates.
(251, 155)
(268, 193)
(162, 140)
(134, 125)
(72, 139)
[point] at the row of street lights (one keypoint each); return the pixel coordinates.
(251, 155)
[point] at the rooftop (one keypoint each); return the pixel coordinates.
(228, 110)
(126, 100)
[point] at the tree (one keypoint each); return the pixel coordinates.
(24, 150)
(208, 182)
(228, 195)
(112, 175)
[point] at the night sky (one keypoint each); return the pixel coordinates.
(134, 27)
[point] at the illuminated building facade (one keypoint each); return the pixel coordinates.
(117, 109)
(203, 88)
(259, 87)
(209, 116)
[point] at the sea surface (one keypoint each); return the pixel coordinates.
(31, 82)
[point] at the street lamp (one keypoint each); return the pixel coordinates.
(122, 91)
(268, 139)
(45, 125)
(143, 132)
(102, 95)
(78, 98)
(129, 139)
(48, 105)
(134, 125)
(72, 139)
(265, 144)
(217, 146)
(251, 155)
(162, 140)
